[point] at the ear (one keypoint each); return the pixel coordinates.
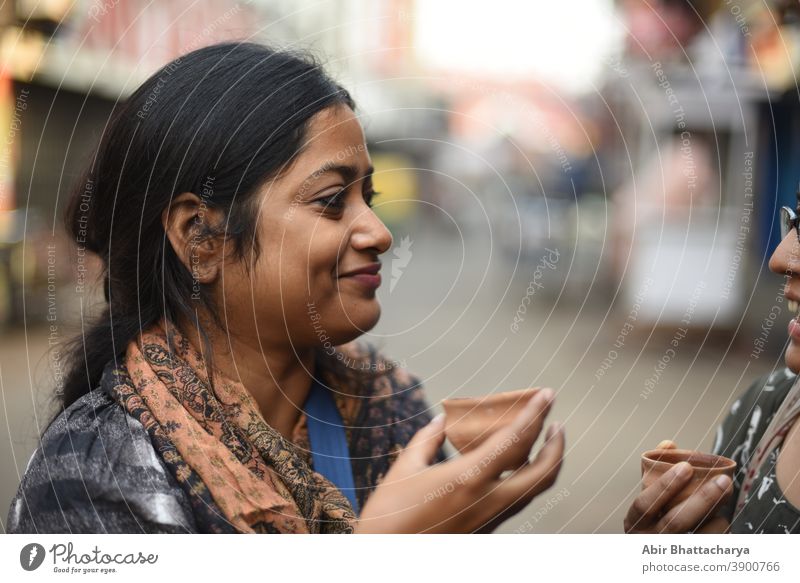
(184, 221)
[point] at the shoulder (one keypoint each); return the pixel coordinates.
(770, 389)
(95, 470)
(395, 403)
(391, 380)
(747, 420)
(752, 411)
(392, 408)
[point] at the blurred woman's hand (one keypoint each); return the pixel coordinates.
(695, 514)
(466, 494)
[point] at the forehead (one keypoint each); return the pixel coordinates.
(334, 137)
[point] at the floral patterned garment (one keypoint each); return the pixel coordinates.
(766, 510)
(99, 470)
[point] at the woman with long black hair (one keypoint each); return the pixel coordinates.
(222, 389)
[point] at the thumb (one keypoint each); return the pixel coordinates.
(422, 448)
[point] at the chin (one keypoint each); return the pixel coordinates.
(357, 322)
(792, 357)
(366, 320)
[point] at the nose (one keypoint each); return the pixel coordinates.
(369, 233)
(785, 259)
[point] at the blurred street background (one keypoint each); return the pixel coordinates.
(583, 195)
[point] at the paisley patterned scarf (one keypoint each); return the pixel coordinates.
(240, 474)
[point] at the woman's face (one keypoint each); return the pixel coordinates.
(786, 261)
(316, 228)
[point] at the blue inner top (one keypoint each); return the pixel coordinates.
(329, 450)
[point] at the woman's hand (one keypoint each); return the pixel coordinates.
(466, 494)
(695, 514)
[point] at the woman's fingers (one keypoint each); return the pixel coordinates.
(651, 500)
(513, 493)
(510, 446)
(698, 507)
(422, 447)
(535, 477)
(667, 444)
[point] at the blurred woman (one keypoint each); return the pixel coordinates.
(761, 433)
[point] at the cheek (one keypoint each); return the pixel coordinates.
(322, 251)
(299, 250)
(301, 263)
(316, 259)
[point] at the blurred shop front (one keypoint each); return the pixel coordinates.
(658, 167)
(66, 63)
(706, 98)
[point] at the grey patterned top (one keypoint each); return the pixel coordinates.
(766, 510)
(96, 470)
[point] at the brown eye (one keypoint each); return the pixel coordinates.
(334, 202)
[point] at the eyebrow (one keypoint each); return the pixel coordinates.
(346, 171)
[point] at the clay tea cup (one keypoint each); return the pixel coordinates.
(706, 467)
(470, 420)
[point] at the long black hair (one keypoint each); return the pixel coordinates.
(220, 121)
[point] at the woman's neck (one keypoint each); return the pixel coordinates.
(277, 376)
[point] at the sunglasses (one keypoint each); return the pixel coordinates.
(789, 219)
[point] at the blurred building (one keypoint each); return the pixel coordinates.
(535, 141)
(65, 64)
(705, 100)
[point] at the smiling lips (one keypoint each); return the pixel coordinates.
(366, 276)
